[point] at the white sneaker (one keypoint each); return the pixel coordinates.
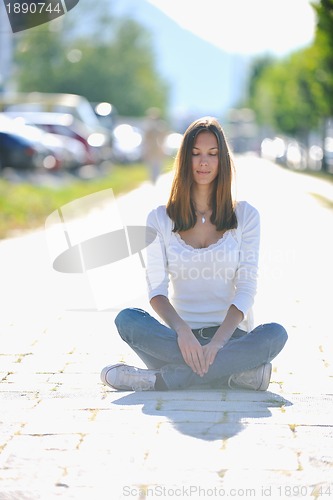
(256, 379)
(128, 378)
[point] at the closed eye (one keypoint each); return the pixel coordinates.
(211, 153)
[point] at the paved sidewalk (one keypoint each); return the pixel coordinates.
(65, 435)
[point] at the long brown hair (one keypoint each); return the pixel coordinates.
(180, 206)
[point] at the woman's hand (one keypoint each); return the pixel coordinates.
(222, 335)
(192, 351)
(189, 346)
(210, 350)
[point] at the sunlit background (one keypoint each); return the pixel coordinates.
(90, 77)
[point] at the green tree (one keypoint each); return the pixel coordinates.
(38, 56)
(115, 65)
(324, 47)
(258, 67)
(294, 94)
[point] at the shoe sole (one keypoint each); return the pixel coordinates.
(104, 373)
(266, 377)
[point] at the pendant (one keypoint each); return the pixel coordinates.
(203, 219)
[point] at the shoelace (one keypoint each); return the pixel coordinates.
(141, 386)
(137, 385)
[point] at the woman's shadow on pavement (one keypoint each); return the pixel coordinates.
(206, 414)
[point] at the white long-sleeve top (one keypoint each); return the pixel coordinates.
(202, 283)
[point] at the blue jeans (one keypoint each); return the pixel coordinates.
(157, 346)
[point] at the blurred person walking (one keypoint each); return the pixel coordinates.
(153, 143)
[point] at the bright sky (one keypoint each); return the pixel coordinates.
(246, 26)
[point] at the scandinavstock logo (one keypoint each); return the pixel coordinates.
(93, 236)
(24, 15)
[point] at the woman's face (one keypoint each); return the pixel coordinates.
(205, 159)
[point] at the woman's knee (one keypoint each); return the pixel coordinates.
(125, 319)
(273, 333)
(278, 334)
(126, 315)
(121, 321)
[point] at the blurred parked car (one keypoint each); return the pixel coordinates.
(18, 152)
(286, 151)
(296, 155)
(106, 114)
(34, 102)
(62, 150)
(126, 143)
(315, 157)
(274, 149)
(20, 149)
(97, 145)
(71, 152)
(328, 152)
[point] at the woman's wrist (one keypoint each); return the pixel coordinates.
(219, 342)
(183, 330)
(226, 329)
(221, 336)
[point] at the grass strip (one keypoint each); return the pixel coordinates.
(25, 206)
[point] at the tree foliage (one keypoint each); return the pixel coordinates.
(115, 65)
(295, 94)
(288, 94)
(324, 47)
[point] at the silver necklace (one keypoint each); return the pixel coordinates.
(202, 215)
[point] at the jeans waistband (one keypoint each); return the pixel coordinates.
(205, 333)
